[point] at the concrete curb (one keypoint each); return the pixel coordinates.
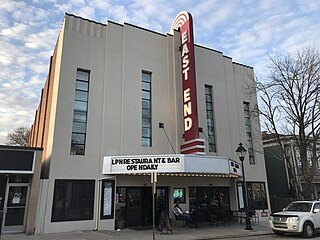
(236, 236)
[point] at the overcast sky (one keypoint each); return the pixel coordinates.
(246, 30)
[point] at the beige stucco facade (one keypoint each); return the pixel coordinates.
(116, 55)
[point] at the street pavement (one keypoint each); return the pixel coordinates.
(227, 231)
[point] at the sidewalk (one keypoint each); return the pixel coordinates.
(204, 233)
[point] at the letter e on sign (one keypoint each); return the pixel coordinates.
(186, 95)
(184, 37)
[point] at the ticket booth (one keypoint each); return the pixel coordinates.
(19, 186)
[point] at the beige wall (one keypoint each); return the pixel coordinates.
(34, 193)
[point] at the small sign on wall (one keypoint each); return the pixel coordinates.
(16, 198)
(107, 199)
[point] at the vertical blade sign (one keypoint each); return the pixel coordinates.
(183, 23)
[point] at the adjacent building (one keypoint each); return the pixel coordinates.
(19, 188)
(124, 106)
(283, 167)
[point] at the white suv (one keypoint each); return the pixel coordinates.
(298, 217)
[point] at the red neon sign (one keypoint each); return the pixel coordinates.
(183, 23)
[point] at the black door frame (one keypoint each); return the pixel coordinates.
(144, 216)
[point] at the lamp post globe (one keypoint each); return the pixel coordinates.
(241, 151)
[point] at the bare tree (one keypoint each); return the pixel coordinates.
(290, 106)
(18, 137)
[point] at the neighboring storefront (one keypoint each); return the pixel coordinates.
(19, 188)
(122, 103)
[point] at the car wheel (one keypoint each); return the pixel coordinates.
(308, 230)
(278, 233)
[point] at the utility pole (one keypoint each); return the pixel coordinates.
(154, 191)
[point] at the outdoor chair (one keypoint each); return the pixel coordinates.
(178, 217)
(254, 218)
(223, 216)
(197, 218)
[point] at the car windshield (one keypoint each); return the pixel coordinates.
(299, 207)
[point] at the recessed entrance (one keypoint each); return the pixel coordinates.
(134, 205)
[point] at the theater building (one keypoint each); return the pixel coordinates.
(121, 102)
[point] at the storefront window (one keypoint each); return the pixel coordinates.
(209, 198)
(73, 200)
(3, 187)
(257, 199)
(19, 178)
(192, 198)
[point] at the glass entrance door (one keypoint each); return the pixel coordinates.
(136, 208)
(14, 220)
(133, 208)
(161, 202)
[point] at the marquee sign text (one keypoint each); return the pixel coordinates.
(145, 164)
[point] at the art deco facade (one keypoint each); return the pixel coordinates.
(113, 110)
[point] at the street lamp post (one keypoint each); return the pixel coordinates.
(241, 151)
